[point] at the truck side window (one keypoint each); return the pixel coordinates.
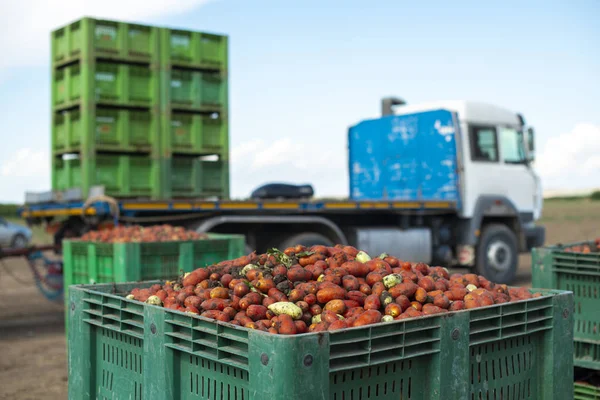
(484, 144)
(512, 145)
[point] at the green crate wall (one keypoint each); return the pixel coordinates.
(89, 38)
(195, 50)
(193, 133)
(194, 177)
(85, 262)
(121, 175)
(108, 129)
(198, 91)
(554, 268)
(514, 350)
(90, 82)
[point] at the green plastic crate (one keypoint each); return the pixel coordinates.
(105, 83)
(197, 134)
(125, 349)
(121, 175)
(554, 268)
(196, 90)
(106, 129)
(86, 263)
(585, 391)
(193, 49)
(194, 177)
(90, 38)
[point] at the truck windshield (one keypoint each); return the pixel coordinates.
(512, 146)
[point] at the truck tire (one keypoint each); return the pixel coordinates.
(497, 256)
(306, 239)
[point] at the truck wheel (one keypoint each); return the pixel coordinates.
(497, 255)
(306, 239)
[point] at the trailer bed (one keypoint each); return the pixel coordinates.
(129, 207)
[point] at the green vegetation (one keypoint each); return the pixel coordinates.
(593, 196)
(8, 210)
(565, 198)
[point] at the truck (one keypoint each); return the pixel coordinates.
(449, 183)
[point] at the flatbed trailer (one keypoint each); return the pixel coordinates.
(328, 221)
(135, 208)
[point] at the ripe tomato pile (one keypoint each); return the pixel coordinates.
(585, 248)
(136, 233)
(323, 289)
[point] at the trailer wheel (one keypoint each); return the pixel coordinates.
(306, 239)
(497, 255)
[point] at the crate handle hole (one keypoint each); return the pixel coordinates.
(308, 360)
(264, 359)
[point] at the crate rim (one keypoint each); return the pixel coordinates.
(211, 236)
(563, 246)
(131, 22)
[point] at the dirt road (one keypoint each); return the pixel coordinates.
(33, 363)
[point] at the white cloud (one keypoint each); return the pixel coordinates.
(26, 170)
(25, 25)
(26, 163)
(245, 150)
(571, 160)
(257, 162)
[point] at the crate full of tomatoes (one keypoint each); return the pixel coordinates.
(136, 253)
(575, 267)
(324, 322)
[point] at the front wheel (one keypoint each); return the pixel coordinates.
(497, 254)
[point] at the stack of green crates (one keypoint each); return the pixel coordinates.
(135, 106)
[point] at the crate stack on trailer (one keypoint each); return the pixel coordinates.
(135, 107)
(576, 268)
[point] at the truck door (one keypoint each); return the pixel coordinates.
(519, 179)
(482, 170)
(498, 166)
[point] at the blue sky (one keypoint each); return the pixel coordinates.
(302, 72)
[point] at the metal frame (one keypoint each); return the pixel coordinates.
(132, 207)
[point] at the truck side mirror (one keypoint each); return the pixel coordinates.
(531, 143)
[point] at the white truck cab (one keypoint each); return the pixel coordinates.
(500, 191)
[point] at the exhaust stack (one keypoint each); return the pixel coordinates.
(388, 103)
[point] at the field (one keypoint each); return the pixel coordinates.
(33, 363)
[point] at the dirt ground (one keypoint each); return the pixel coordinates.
(33, 361)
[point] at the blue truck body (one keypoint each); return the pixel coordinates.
(408, 158)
